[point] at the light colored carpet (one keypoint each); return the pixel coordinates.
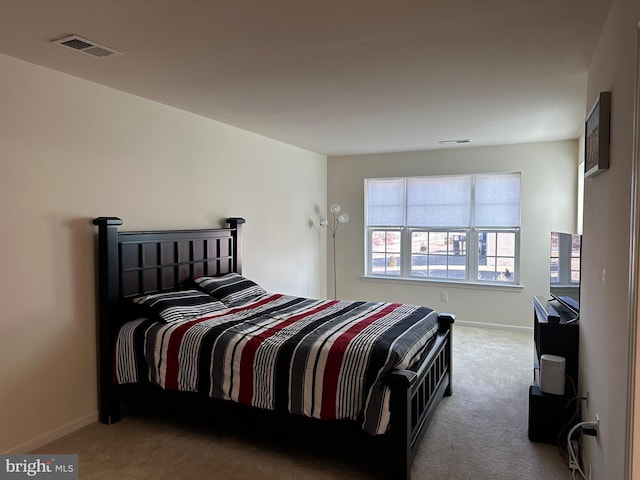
(478, 433)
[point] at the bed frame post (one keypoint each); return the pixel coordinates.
(236, 225)
(401, 455)
(108, 299)
(445, 322)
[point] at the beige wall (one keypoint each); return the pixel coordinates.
(71, 150)
(605, 318)
(549, 192)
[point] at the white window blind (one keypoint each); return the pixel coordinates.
(439, 201)
(497, 200)
(385, 202)
(482, 200)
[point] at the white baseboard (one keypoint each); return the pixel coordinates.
(493, 325)
(54, 435)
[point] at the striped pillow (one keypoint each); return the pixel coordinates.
(180, 305)
(232, 289)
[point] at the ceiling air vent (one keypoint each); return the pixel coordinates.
(89, 47)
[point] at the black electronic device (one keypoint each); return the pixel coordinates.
(564, 270)
(547, 416)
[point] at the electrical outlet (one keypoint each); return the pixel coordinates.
(444, 296)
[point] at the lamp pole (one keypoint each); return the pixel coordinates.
(337, 220)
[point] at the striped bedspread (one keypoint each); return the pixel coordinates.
(319, 358)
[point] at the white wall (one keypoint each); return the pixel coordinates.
(549, 192)
(605, 313)
(71, 150)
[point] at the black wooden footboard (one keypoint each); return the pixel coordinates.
(415, 396)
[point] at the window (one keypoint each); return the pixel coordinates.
(456, 227)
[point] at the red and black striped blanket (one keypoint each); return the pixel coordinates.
(319, 358)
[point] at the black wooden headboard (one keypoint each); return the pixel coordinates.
(136, 263)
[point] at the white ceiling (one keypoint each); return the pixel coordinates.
(335, 76)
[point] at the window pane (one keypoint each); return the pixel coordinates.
(498, 269)
(496, 259)
(437, 266)
(393, 264)
(438, 254)
(385, 241)
(438, 242)
(419, 242)
(393, 242)
(490, 243)
(386, 252)
(378, 263)
(378, 240)
(506, 244)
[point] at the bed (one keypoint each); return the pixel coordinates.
(175, 314)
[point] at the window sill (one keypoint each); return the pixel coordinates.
(448, 283)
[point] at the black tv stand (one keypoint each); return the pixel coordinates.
(555, 332)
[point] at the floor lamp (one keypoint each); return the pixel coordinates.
(337, 220)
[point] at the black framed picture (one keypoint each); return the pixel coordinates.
(596, 136)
